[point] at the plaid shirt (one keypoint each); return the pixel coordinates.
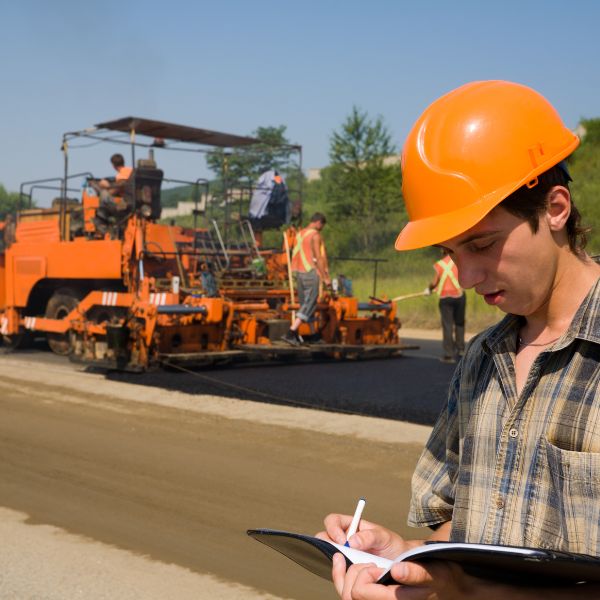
(519, 469)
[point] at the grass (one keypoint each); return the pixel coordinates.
(423, 312)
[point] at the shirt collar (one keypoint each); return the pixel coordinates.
(586, 322)
(585, 325)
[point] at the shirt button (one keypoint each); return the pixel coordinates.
(500, 503)
(513, 433)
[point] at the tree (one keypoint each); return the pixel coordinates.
(10, 202)
(246, 164)
(584, 165)
(361, 189)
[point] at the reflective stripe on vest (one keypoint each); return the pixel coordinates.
(447, 273)
(299, 252)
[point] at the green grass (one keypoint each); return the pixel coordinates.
(423, 312)
(408, 273)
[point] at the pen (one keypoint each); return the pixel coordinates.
(355, 520)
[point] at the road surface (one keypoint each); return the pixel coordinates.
(410, 388)
(113, 489)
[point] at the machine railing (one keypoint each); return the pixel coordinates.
(375, 262)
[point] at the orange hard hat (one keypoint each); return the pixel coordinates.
(471, 149)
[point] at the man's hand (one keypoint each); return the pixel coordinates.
(370, 537)
(436, 581)
(440, 580)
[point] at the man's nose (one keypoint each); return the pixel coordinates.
(470, 274)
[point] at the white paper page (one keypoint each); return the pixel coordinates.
(360, 557)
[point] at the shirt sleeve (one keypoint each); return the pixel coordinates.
(433, 482)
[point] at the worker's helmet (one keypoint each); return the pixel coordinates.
(471, 149)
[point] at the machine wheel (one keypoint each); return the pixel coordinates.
(10, 343)
(58, 307)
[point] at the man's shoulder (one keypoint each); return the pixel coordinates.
(124, 173)
(586, 323)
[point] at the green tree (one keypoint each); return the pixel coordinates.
(10, 202)
(246, 164)
(584, 165)
(362, 190)
(240, 168)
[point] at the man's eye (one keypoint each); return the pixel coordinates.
(482, 247)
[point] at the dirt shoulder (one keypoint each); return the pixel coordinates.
(427, 334)
(114, 473)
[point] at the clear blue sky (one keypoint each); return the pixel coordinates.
(235, 65)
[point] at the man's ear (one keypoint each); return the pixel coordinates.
(559, 207)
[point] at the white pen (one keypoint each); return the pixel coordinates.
(355, 520)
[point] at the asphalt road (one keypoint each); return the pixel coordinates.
(410, 388)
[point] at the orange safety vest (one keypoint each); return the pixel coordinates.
(448, 286)
(302, 254)
(123, 173)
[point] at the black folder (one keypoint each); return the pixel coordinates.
(509, 564)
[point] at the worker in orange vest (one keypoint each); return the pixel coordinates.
(107, 188)
(111, 192)
(309, 263)
(452, 306)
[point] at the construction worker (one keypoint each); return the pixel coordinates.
(309, 263)
(108, 188)
(515, 455)
(111, 192)
(452, 307)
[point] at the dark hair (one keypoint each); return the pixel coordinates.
(117, 160)
(318, 217)
(530, 202)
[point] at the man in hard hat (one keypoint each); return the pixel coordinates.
(309, 263)
(514, 458)
(452, 305)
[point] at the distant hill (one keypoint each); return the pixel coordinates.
(183, 193)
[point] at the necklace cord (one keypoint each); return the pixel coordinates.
(522, 343)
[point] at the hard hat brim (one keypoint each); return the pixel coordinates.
(469, 150)
(439, 228)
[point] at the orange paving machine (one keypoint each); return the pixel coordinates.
(132, 292)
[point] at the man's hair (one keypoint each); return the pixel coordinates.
(318, 217)
(117, 160)
(529, 203)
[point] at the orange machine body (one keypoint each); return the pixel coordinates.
(136, 292)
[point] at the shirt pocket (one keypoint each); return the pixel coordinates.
(563, 507)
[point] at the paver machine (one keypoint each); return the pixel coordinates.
(129, 291)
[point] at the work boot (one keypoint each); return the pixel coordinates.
(292, 338)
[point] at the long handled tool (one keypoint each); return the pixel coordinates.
(406, 296)
(289, 270)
